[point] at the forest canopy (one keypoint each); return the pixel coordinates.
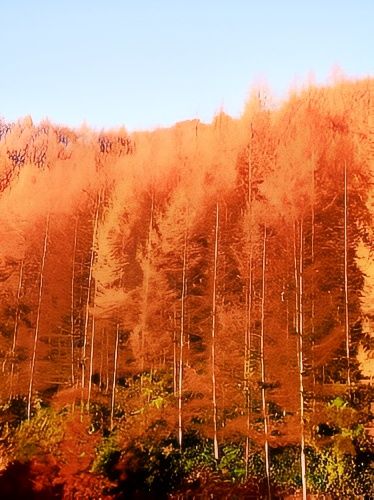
(201, 282)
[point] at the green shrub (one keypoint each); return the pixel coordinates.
(232, 464)
(256, 464)
(38, 436)
(331, 471)
(107, 453)
(100, 417)
(197, 454)
(158, 463)
(285, 467)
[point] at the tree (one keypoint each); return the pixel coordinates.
(37, 324)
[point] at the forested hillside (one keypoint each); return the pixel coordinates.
(186, 305)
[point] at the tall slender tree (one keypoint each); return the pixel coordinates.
(72, 308)
(346, 310)
(214, 333)
(182, 340)
(89, 293)
(15, 330)
(114, 383)
(37, 325)
(262, 361)
(300, 323)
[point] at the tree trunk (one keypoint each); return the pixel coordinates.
(262, 361)
(175, 361)
(248, 302)
(301, 363)
(296, 276)
(113, 399)
(346, 313)
(214, 326)
(247, 357)
(72, 305)
(101, 360)
(313, 291)
(87, 311)
(147, 273)
(107, 361)
(92, 348)
(36, 335)
(15, 330)
(181, 341)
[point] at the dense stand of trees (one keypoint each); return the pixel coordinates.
(221, 258)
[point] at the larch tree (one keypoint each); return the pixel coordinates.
(37, 323)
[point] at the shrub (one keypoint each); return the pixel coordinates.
(38, 436)
(232, 464)
(107, 455)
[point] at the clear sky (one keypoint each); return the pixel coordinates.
(146, 63)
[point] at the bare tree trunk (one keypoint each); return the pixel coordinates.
(301, 364)
(92, 348)
(175, 362)
(147, 275)
(113, 399)
(248, 300)
(72, 304)
(297, 314)
(36, 335)
(313, 291)
(346, 313)
(15, 330)
(181, 341)
(262, 360)
(107, 361)
(188, 321)
(87, 311)
(214, 321)
(247, 357)
(101, 359)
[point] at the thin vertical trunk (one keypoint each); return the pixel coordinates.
(262, 361)
(15, 330)
(296, 315)
(247, 357)
(113, 399)
(87, 311)
(92, 348)
(175, 362)
(81, 287)
(147, 275)
(37, 324)
(214, 321)
(285, 296)
(72, 304)
(181, 341)
(301, 364)
(346, 313)
(107, 361)
(188, 340)
(313, 291)
(116, 348)
(101, 359)
(248, 301)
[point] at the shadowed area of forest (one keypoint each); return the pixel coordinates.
(188, 312)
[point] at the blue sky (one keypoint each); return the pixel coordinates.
(147, 63)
